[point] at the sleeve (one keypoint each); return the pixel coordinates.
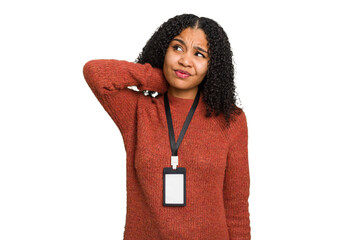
(109, 78)
(237, 184)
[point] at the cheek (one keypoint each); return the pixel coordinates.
(202, 68)
(168, 65)
(169, 58)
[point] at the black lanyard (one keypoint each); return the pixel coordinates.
(174, 146)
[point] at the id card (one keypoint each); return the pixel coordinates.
(174, 187)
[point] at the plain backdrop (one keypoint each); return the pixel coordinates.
(62, 168)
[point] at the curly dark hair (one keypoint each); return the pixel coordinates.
(218, 86)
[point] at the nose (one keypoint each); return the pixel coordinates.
(185, 60)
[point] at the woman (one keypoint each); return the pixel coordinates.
(180, 186)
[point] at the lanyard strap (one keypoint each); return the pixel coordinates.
(174, 146)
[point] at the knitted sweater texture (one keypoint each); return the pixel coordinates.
(215, 157)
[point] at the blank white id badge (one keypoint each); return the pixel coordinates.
(174, 187)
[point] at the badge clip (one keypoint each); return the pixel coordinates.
(174, 161)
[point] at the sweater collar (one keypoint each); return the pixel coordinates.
(185, 103)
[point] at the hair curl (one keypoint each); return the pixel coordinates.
(218, 86)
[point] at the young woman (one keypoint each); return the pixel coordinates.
(187, 169)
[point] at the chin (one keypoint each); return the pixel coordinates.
(181, 84)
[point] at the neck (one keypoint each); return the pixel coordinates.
(181, 93)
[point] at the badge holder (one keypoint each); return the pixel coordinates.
(174, 190)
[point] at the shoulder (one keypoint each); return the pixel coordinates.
(238, 120)
(238, 128)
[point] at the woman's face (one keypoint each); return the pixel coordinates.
(188, 52)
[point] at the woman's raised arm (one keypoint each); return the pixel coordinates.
(109, 79)
(105, 75)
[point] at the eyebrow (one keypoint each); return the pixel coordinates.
(198, 48)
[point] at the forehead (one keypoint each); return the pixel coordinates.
(195, 37)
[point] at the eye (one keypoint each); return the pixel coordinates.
(175, 47)
(200, 54)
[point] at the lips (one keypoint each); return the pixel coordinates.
(182, 74)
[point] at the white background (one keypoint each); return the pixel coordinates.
(62, 168)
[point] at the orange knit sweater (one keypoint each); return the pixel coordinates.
(215, 158)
